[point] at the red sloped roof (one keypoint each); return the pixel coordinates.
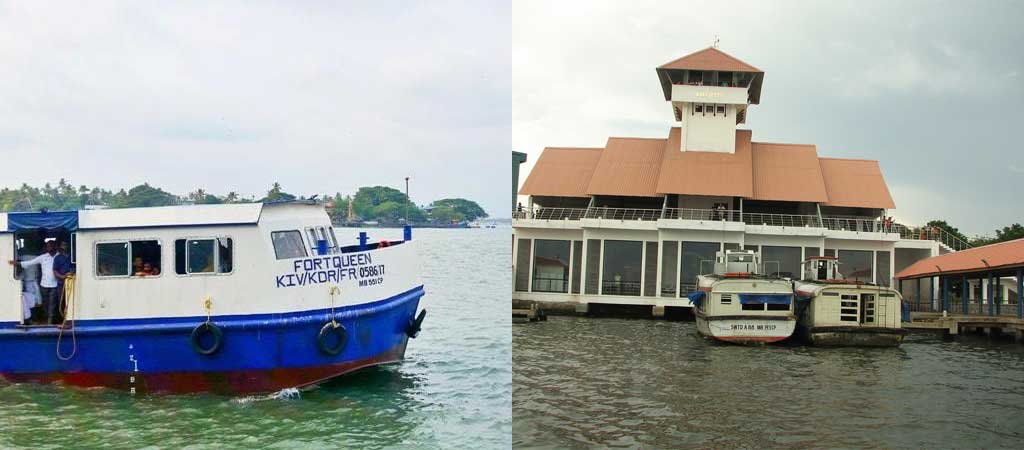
(787, 172)
(562, 172)
(706, 173)
(710, 59)
(1003, 255)
(628, 167)
(855, 183)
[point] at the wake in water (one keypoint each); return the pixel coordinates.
(284, 394)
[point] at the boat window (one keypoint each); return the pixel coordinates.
(753, 306)
(145, 258)
(327, 237)
(288, 244)
(311, 233)
(112, 259)
(203, 256)
(334, 239)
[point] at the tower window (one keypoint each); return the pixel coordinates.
(698, 109)
(720, 109)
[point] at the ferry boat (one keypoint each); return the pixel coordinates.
(838, 312)
(739, 304)
(233, 299)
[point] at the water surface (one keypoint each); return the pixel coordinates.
(452, 391)
(586, 382)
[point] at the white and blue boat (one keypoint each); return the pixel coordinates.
(234, 299)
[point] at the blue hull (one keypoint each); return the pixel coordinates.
(259, 353)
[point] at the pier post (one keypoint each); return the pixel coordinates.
(658, 312)
(965, 293)
(1020, 294)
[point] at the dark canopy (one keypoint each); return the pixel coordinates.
(67, 220)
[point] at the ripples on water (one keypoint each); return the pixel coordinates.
(584, 382)
(453, 390)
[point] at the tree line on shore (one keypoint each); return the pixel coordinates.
(381, 204)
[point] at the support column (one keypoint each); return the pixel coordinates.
(966, 294)
(999, 295)
(945, 293)
(991, 293)
(918, 295)
(1020, 294)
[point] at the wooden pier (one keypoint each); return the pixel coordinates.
(532, 314)
(957, 324)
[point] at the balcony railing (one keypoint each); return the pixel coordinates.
(600, 212)
(550, 213)
(728, 215)
(781, 220)
(930, 234)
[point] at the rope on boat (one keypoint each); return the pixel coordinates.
(208, 304)
(68, 306)
(335, 290)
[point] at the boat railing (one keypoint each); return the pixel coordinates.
(601, 212)
(781, 220)
(728, 215)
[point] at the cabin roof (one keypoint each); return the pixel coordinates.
(160, 216)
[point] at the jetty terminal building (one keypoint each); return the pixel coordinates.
(635, 222)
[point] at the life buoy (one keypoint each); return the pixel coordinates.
(323, 339)
(413, 328)
(215, 333)
(384, 243)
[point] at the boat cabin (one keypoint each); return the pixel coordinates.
(822, 268)
(168, 261)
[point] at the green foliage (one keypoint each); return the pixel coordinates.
(385, 204)
(949, 228)
(457, 209)
(275, 194)
(1007, 233)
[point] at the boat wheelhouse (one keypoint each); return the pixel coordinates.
(238, 299)
(739, 304)
(839, 312)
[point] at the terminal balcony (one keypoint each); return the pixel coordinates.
(682, 217)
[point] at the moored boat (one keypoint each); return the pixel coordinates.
(738, 304)
(839, 312)
(235, 299)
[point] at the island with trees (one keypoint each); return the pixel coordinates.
(368, 206)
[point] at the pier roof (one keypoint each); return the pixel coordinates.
(645, 167)
(562, 172)
(1001, 256)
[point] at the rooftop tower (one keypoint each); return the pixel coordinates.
(710, 91)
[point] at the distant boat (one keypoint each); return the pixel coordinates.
(236, 299)
(737, 304)
(839, 312)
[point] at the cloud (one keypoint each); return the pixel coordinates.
(233, 96)
(922, 87)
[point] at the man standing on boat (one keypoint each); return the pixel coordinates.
(47, 279)
(61, 268)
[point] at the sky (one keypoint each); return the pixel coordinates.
(322, 97)
(932, 90)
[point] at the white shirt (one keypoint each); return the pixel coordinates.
(45, 262)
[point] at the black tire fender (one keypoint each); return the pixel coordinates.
(207, 328)
(323, 338)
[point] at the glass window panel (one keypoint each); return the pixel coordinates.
(830, 252)
(112, 259)
(225, 257)
(669, 260)
(651, 269)
(781, 261)
(622, 267)
(200, 256)
(179, 257)
(288, 244)
(577, 266)
(593, 265)
(731, 246)
(855, 265)
(550, 266)
(694, 253)
(523, 266)
(811, 251)
(145, 258)
(882, 267)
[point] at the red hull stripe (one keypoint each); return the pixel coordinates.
(765, 339)
(239, 382)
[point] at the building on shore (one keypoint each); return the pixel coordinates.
(635, 222)
(518, 158)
